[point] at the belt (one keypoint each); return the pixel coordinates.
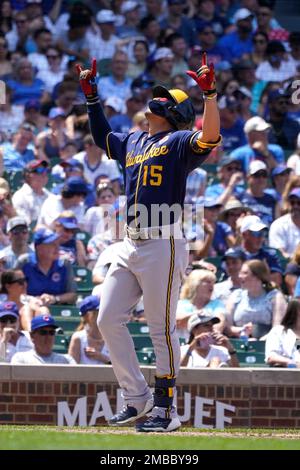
(154, 232)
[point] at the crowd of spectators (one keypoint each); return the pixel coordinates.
(56, 182)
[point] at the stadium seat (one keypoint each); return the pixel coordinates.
(141, 341)
(61, 344)
(65, 311)
(67, 326)
(83, 236)
(15, 179)
(146, 357)
(251, 359)
(217, 262)
(250, 346)
(136, 328)
(83, 278)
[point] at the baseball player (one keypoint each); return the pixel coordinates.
(154, 254)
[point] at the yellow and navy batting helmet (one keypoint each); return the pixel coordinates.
(174, 105)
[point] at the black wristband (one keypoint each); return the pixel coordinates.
(232, 352)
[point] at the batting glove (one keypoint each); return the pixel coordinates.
(205, 78)
(87, 80)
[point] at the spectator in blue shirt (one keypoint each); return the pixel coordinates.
(262, 204)
(230, 174)
(17, 153)
(280, 176)
(258, 147)
(234, 45)
(48, 277)
(232, 127)
(25, 86)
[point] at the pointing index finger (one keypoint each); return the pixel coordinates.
(204, 59)
(78, 68)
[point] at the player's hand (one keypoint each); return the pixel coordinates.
(87, 80)
(205, 77)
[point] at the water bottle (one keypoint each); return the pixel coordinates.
(244, 337)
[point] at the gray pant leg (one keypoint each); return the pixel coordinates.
(164, 264)
(120, 293)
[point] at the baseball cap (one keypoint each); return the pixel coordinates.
(16, 222)
(32, 104)
(255, 166)
(279, 169)
(9, 308)
(200, 318)
(163, 53)
(175, 2)
(223, 65)
(56, 112)
(105, 16)
(241, 14)
(295, 192)
(42, 320)
(73, 163)
(256, 123)
(233, 204)
(252, 223)
(129, 6)
(44, 236)
(116, 103)
(229, 102)
(68, 222)
(143, 82)
(211, 202)
(244, 64)
(275, 94)
(242, 91)
(234, 252)
(34, 164)
(91, 302)
(75, 185)
(226, 159)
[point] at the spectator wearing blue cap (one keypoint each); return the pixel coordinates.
(230, 176)
(48, 277)
(70, 248)
(217, 236)
(233, 260)
(280, 176)
(95, 165)
(72, 195)
(87, 345)
(42, 334)
(12, 339)
(285, 231)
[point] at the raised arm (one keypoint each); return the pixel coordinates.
(98, 122)
(205, 78)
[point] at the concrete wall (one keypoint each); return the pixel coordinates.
(246, 397)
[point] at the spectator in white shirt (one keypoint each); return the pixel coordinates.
(277, 68)
(281, 342)
(95, 165)
(103, 45)
(285, 232)
(71, 198)
(29, 199)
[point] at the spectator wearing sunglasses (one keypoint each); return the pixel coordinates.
(12, 339)
(42, 335)
(230, 175)
(18, 234)
(48, 277)
(19, 151)
(14, 289)
(29, 199)
(256, 198)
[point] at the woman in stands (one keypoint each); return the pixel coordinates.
(197, 293)
(87, 345)
(12, 339)
(257, 306)
(283, 341)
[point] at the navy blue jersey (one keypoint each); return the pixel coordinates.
(155, 167)
(263, 206)
(270, 256)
